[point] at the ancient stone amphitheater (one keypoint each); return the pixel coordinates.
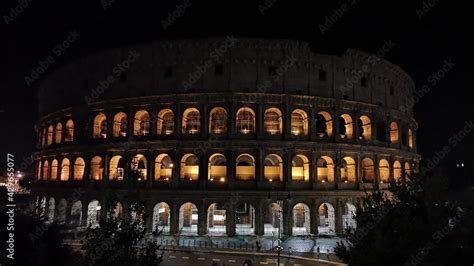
(222, 136)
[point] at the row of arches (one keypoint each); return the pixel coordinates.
(216, 215)
(189, 168)
(245, 123)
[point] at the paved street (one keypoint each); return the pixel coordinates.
(202, 258)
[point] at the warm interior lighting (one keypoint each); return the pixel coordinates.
(222, 179)
(212, 179)
(295, 132)
(324, 181)
(271, 180)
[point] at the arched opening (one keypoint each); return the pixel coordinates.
(191, 121)
(76, 213)
(116, 167)
(327, 219)
(394, 133)
(299, 123)
(368, 170)
(45, 170)
(346, 127)
(348, 218)
(141, 124)
(54, 170)
(97, 168)
(165, 122)
(272, 122)
(218, 121)
(100, 126)
(51, 207)
(49, 139)
(161, 217)
(120, 125)
(381, 131)
(216, 219)
(397, 171)
(410, 139)
(62, 205)
(273, 170)
(384, 171)
(407, 169)
(163, 167)
(69, 134)
(300, 168)
(43, 215)
(79, 166)
(59, 133)
(273, 222)
(324, 124)
(139, 165)
(217, 168)
(365, 128)
(245, 121)
(244, 219)
(245, 167)
(93, 214)
(301, 220)
(65, 169)
(348, 170)
(188, 219)
(325, 169)
(189, 167)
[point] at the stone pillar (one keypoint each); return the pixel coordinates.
(178, 118)
(174, 218)
(287, 218)
(87, 170)
(337, 166)
(314, 212)
(150, 167)
(85, 207)
(153, 120)
(149, 208)
(259, 219)
(69, 204)
(130, 123)
(230, 218)
(287, 180)
(204, 122)
(339, 211)
(359, 170)
(260, 117)
(202, 219)
(286, 120)
(313, 170)
(259, 166)
(231, 168)
(176, 170)
(203, 170)
(106, 164)
(232, 124)
(312, 124)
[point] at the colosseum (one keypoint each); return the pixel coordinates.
(222, 136)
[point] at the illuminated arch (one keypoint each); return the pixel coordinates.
(120, 125)
(59, 133)
(245, 120)
(245, 167)
(163, 167)
(161, 217)
(217, 168)
(141, 123)
(300, 168)
(191, 121)
(65, 169)
(272, 121)
(299, 123)
(384, 171)
(54, 170)
(97, 168)
(218, 121)
(397, 171)
(394, 133)
(189, 167)
(273, 170)
(79, 166)
(327, 219)
(346, 127)
(165, 122)
(348, 170)
(365, 128)
(325, 169)
(49, 139)
(69, 134)
(100, 126)
(45, 170)
(116, 168)
(139, 165)
(324, 124)
(301, 220)
(188, 219)
(368, 170)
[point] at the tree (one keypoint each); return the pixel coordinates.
(404, 226)
(122, 240)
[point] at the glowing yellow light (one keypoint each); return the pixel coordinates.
(222, 179)
(324, 181)
(171, 165)
(271, 180)
(212, 179)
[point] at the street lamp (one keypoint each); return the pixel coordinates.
(279, 249)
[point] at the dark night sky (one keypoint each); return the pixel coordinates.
(444, 32)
